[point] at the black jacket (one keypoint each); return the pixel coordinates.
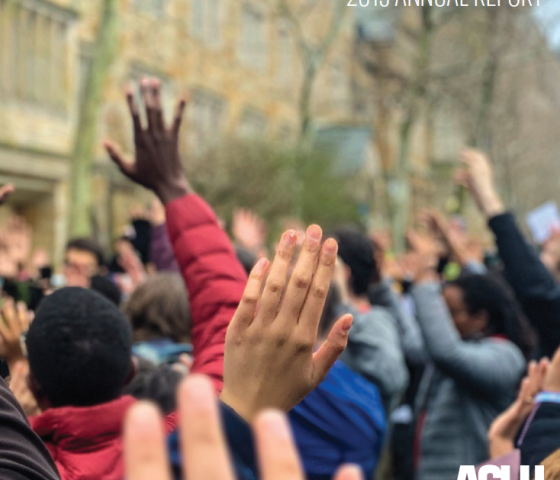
(534, 286)
(23, 456)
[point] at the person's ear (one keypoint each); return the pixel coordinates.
(133, 370)
(42, 401)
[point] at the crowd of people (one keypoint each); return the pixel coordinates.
(188, 354)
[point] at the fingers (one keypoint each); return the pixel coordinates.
(23, 317)
(278, 458)
(145, 454)
(202, 438)
(155, 89)
(178, 117)
(324, 358)
(276, 283)
(117, 156)
(5, 192)
(11, 322)
(315, 301)
(149, 104)
(134, 113)
(349, 472)
(18, 374)
(539, 375)
(247, 308)
(302, 276)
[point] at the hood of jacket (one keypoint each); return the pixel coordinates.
(85, 442)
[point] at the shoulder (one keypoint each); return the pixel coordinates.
(505, 351)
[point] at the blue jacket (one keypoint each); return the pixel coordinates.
(342, 421)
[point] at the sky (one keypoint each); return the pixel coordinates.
(548, 15)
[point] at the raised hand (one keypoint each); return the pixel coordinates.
(8, 267)
(18, 236)
(503, 430)
(477, 176)
(132, 265)
(457, 242)
(269, 360)
(552, 379)
(156, 213)
(249, 230)
(20, 388)
(157, 164)
(420, 264)
(14, 321)
(203, 447)
(5, 192)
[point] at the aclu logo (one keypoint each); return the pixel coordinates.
(490, 472)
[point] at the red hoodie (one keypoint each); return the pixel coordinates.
(86, 442)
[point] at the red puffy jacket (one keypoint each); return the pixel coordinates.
(86, 442)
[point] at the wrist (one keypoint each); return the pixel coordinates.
(427, 276)
(490, 202)
(239, 407)
(12, 362)
(173, 190)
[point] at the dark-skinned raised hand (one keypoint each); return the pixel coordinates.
(157, 165)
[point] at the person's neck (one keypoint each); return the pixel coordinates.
(359, 301)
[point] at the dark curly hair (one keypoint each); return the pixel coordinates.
(79, 347)
(490, 293)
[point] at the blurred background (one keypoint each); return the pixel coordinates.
(304, 109)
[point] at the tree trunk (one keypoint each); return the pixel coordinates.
(400, 188)
(86, 134)
(306, 97)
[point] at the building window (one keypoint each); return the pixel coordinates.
(153, 7)
(205, 116)
(252, 40)
(34, 54)
(253, 124)
(206, 23)
(284, 67)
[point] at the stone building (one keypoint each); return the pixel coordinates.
(237, 58)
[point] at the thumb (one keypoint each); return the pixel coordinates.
(117, 156)
(324, 358)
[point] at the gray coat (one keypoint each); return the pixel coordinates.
(466, 384)
(374, 352)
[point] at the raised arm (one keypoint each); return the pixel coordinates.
(486, 367)
(161, 251)
(214, 278)
(533, 284)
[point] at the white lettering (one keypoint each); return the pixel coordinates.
(467, 472)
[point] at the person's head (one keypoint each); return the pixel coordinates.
(247, 258)
(482, 304)
(330, 314)
(357, 252)
(159, 308)
(79, 347)
(157, 384)
(101, 284)
(84, 255)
